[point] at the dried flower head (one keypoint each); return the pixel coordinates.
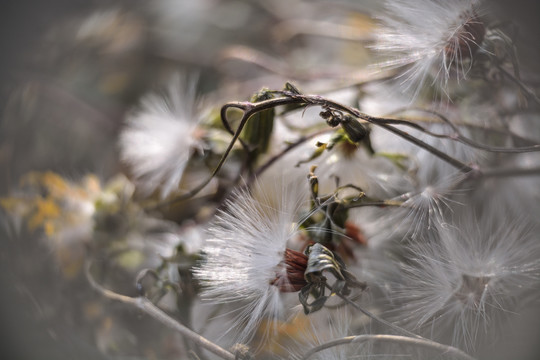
(160, 137)
(290, 272)
(436, 39)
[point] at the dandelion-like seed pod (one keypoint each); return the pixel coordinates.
(431, 41)
(460, 286)
(160, 137)
(247, 261)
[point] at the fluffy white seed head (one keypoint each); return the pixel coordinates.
(160, 137)
(427, 208)
(434, 39)
(244, 255)
(462, 282)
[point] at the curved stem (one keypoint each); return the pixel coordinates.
(227, 126)
(465, 140)
(289, 97)
(384, 123)
(249, 110)
(425, 343)
(247, 107)
(458, 136)
(153, 311)
(520, 84)
(454, 126)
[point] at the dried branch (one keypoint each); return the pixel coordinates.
(509, 172)
(458, 136)
(153, 311)
(391, 338)
(291, 97)
(530, 93)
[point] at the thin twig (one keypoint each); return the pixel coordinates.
(153, 311)
(382, 122)
(520, 84)
(248, 109)
(381, 203)
(441, 155)
(440, 117)
(394, 339)
(509, 172)
(458, 136)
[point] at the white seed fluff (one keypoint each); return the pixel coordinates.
(245, 251)
(160, 137)
(463, 281)
(433, 38)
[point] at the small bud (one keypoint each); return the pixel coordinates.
(331, 119)
(313, 182)
(354, 129)
(258, 129)
(291, 88)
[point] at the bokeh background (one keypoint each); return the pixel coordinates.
(69, 72)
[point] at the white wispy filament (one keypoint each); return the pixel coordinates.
(323, 327)
(161, 135)
(460, 284)
(435, 38)
(244, 255)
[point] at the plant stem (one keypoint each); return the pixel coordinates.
(153, 311)
(289, 97)
(391, 338)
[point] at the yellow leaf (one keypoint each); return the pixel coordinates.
(46, 209)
